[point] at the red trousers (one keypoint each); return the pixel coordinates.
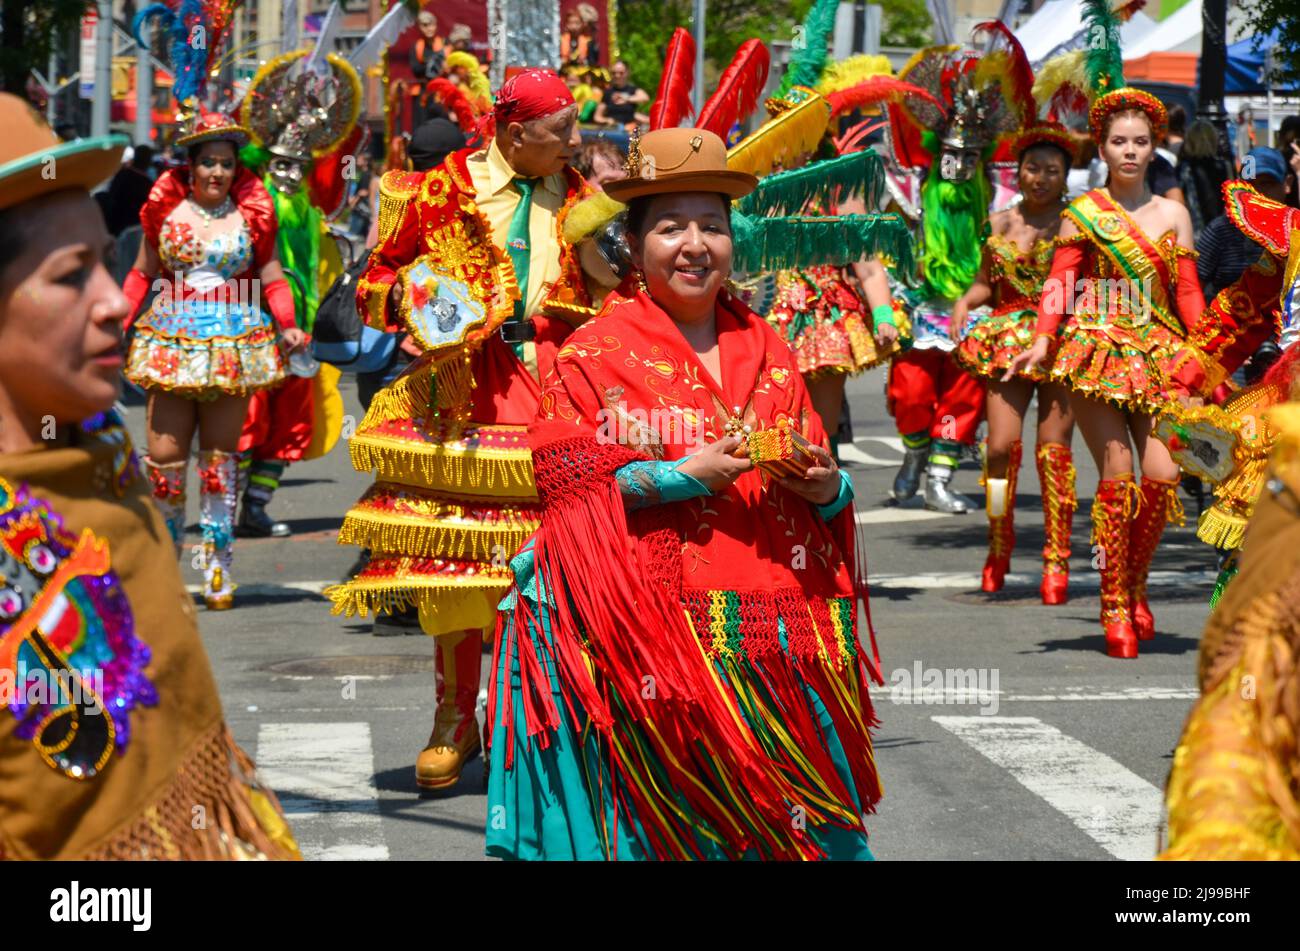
(279, 421)
(929, 392)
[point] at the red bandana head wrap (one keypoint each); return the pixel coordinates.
(531, 94)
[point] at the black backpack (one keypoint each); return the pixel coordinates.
(340, 337)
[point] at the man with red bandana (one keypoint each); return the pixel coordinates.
(472, 265)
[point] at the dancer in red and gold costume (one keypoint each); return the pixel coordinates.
(1262, 304)
(980, 99)
(1017, 257)
(1232, 791)
(472, 263)
(1132, 301)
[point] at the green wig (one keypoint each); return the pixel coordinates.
(954, 218)
(299, 245)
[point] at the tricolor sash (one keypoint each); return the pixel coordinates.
(1134, 257)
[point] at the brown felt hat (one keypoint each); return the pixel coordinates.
(34, 161)
(679, 160)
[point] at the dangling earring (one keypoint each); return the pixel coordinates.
(640, 281)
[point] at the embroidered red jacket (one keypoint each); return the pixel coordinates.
(434, 215)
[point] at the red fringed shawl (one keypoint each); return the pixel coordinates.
(665, 619)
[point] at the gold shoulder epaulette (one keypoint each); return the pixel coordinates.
(396, 189)
(399, 184)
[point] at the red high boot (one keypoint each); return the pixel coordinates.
(1112, 509)
(1000, 506)
(455, 737)
(1158, 505)
(1056, 477)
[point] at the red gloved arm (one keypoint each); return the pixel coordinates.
(279, 298)
(1059, 287)
(1192, 369)
(1189, 298)
(136, 289)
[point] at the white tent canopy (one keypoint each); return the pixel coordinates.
(1057, 27)
(1180, 32)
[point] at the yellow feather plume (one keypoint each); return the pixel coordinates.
(479, 87)
(783, 138)
(590, 215)
(993, 66)
(1066, 68)
(851, 71)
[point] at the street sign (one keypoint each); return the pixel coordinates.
(89, 23)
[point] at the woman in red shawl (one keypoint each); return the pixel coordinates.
(677, 671)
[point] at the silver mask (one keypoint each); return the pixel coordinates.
(286, 175)
(958, 165)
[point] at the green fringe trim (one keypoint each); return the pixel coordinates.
(772, 244)
(858, 173)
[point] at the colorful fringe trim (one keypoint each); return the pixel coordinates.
(397, 518)
(216, 777)
(482, 460)
(724, 746)
(1118, 365)
(992, 341)
(1223, 524)
(392, 583)
(204, 369)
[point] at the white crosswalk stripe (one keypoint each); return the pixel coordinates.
(324, 776)
(1115, 807)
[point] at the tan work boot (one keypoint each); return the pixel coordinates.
(455, 737)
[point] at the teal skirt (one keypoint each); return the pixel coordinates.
(556, 803)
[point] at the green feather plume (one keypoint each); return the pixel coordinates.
(1104, 58)
(858, 173)
(770, 244)
(808, 52)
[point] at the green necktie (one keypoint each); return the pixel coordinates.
(520, 253)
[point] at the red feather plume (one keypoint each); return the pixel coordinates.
(738, 90)
(673, 98)
(875, 90)
(851, 141)
(1020, 82)
(453, 98)
(1068, 100)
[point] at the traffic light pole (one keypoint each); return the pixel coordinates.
(101, 106)
(1214, 55)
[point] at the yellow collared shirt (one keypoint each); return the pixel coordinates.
(491, 177)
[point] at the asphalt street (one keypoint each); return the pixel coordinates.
(1005, 731)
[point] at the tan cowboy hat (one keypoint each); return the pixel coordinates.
(34, 161)
(679, 160)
